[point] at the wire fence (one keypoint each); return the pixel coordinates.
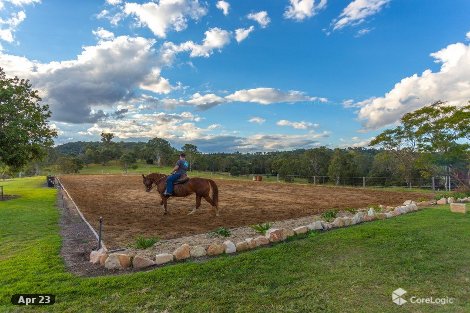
(433, 183)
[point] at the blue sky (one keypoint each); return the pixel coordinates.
(237, 75)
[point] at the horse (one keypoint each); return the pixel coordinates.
(200, 186)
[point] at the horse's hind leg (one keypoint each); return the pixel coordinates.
(165, 205)
(209, 199)
(198, 204)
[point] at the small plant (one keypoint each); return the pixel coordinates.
(329, 215)
(377, 208)
(351, 210)
(262, 228)
(221, 231)
(145, 243)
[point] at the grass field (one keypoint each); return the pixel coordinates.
(352, 269)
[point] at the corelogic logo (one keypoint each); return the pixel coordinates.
(397, 296)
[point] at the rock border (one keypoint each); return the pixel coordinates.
(119, 260)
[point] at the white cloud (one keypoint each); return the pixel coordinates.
(224, 6)
(357, 11)
(363, 31)
(297, 125)
(451, 83)
(242, 33)
(270, 95)
(78, 90)
(355, 142)
(301, 9)
(257, 120)
(275, 142)
(215, 39)
(261, 17)
(23, 2)
(103, 34)
(9, 26)
(468, 36)
(205, 101)
(166, 14)
(114, 2)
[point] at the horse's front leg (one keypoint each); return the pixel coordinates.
(164, 203)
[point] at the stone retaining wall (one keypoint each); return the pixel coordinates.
(115, 260)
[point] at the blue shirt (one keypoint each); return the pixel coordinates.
(183, 166)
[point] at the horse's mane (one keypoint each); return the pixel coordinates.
(156, 176)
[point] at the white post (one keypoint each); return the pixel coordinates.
(363, 182)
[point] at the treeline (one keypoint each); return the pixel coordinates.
(322, 161)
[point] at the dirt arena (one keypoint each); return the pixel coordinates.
(128, 211)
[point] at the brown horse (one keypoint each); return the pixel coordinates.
(200, 186)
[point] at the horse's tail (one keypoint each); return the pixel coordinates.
(215, 193)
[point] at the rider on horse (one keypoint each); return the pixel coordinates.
(178, 171)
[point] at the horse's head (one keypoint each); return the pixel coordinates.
(147, 182)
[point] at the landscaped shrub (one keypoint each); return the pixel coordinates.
(262, 228)
(144, 243)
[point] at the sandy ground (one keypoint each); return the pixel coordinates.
(128, 211)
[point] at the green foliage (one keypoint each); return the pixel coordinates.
(69, 164)
(329, 215)
(351, 210)
(221, 231)
(376, 207)
(262, 228)
(145, 243)
(449, 194)
(25, 133)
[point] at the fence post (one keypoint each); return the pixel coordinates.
(433, 184)
(99, 232)
(1, 188)
(277, 177)
(363, 182)
(314, 180)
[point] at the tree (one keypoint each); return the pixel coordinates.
(160, 151)
(437, 130)
(341, 165)
(25, 133)
(127, 160)
(192, 153)
(318, 160)
(69, 164)
(107, 138)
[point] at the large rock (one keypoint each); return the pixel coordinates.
(381, 216)
(289, 232)
(242, 246)
(442, 201)
(412, 207)
(183, 252)
(326, 225)
(140, 262)
(197, 251)
(95, 255)
(301, 230)
(103, 258)
(163, 258)
(458, 208)
(251, 243)
(215, 249)
(276, 235)
(371, 212)
(230, 247)
(358, 218)
(261, 241)
(409, 202)
(347, 221)
(450, 200)
(389, 215)
(117, 261)
(338, 222)
(317, 225)
(369, 218)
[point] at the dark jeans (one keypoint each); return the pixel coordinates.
(170, 181)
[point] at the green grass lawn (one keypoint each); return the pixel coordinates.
(352, 269)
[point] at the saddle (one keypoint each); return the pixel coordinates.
(184, 178)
